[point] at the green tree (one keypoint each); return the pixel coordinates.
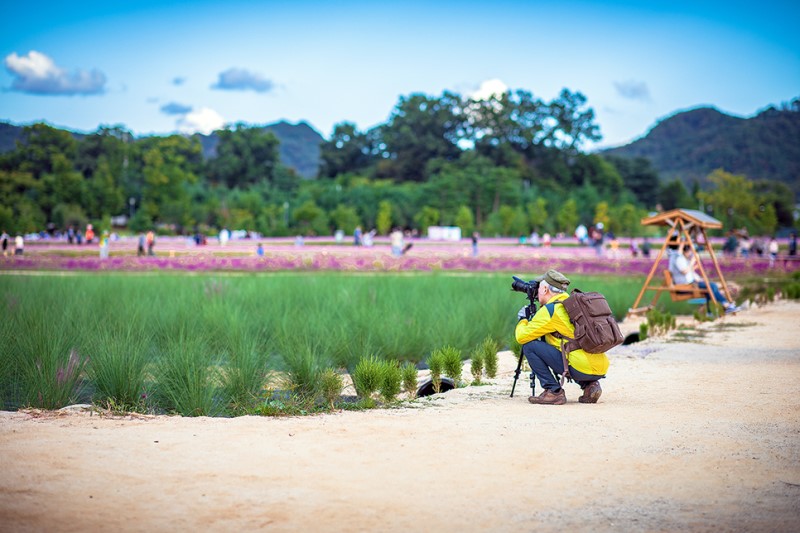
(167, 176)
(465, 220)
(571, 122)
(245, 156)
(538, 217)
(627, 221)
(673, 195)
(345, 218)
(733, 201)
(421, 128)
(638, 176)
(383, 222)
(567, 216)
(426, 217)
(601, 214)
(311, 219)
(347, 151)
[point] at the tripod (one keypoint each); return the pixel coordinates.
(529, 312)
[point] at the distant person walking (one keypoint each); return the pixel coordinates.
(4, 238)
(140, 247)
(150, 239)
(773, 251)
(475, 244)
(89, 234)
(104, 245)
(19, 245)
(396, 239)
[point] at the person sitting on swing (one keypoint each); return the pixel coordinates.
(683, 272)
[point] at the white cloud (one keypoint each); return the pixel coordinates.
(36, 73)
(238, 79)
(489, 88)
(203, 120)
(633, 90)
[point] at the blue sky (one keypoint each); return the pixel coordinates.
(159, 67)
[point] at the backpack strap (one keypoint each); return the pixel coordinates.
(565, 346)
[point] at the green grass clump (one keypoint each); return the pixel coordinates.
(476, 367)
(330, 386)
(409, 375)
(120, 355)
(489, 348)
(436, 365)
(392, 380)
(188, 381)
(453, 364)
(659, 322)
(643, 331)
(368, 378)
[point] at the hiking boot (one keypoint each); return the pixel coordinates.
(550, 398)
(591, 393)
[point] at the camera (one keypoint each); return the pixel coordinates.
(530, 288)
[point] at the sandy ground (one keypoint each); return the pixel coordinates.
(697, 432)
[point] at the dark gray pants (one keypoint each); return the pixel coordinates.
(546, 362)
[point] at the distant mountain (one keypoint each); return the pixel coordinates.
(691, 144)
(9, 135)
(299, 144)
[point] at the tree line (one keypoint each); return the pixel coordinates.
(506, 165)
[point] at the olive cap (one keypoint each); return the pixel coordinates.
(555, 279)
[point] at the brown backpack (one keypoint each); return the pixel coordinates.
(596, 330)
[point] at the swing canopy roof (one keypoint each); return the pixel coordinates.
(693, 216)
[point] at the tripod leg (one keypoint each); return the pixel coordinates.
(533, 383)
(516, 372)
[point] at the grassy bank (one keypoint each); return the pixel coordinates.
(207, 344)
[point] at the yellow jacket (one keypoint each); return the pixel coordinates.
(551, 318)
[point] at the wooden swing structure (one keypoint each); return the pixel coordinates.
(684, 224)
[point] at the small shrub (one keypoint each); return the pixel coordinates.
(642, 331)
(302, 368)
(187, 381)
(118, 367)
(659, 323)
(476, 367)
(489, 349)
(367, 377)
(392, 378)
(453, 364)
(436, 365)
(330, 386)
(409, 372)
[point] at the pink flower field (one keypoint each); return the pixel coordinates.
(495, 255)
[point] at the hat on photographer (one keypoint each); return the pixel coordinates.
(555, 279)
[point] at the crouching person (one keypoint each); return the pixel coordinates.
(540, 337)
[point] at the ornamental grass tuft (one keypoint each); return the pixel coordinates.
(453, 364)
(330, 386)
(409, 372)
(476, 367)
(368, 378)
(120, 355)
(488, 350)
(391, 381)
(436, 365)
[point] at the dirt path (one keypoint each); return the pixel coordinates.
(701, 434)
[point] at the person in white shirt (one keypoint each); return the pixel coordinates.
(683, 273)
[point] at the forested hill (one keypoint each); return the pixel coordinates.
(691, 144)
(299, 144)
